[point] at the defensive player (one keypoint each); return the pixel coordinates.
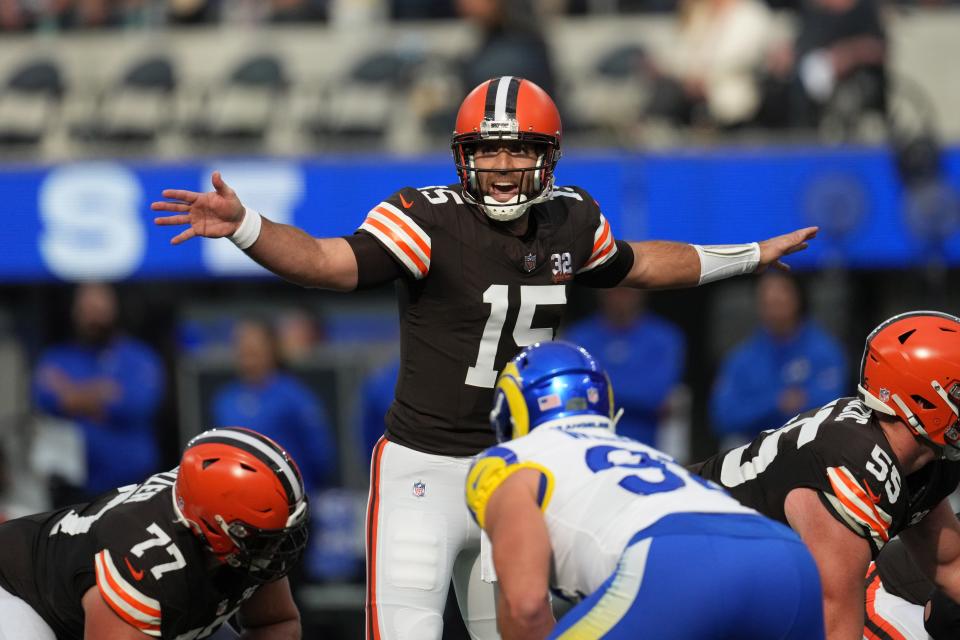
(621, 527)
(482, 267)
(856, 472)
(173, 557)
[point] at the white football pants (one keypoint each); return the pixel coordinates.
(891, 617)
(18, 620)
(419, 536)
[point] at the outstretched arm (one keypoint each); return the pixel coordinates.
(659, 264)
(292, 254)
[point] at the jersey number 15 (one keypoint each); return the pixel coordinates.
(482, 373)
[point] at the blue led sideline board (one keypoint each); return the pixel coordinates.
(91, 220)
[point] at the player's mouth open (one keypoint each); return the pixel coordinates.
(504, 191)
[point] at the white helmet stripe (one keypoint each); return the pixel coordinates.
(261, 447)
(500, 106)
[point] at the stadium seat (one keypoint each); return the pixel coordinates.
(242, 107)
(136, 108)
(29, 101)
(610, 99)
(359, 106)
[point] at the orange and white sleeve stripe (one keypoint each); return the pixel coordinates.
(133, 607)
(604, 246)
(855, 505)
(401, 236)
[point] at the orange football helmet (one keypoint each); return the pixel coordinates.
(243, 496)
(508, 108)
(911, 369)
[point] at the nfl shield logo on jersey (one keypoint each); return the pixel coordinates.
(419, 489)
(529, 262)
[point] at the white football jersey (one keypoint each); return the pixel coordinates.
(597, 491)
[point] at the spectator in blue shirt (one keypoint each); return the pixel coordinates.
(787, 366)
(108, 386)
(643, 354)
(376, 396)
(276, 404)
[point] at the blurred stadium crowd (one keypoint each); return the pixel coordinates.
(703, 71)
(103, 382)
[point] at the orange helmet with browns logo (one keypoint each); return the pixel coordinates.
(243, 496)
(911, 370)
(508, 108)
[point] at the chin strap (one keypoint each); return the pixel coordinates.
(616, 418)
(505, 212)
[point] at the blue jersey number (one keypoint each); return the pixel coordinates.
(604, 457)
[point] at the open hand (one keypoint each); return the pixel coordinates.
(214, 214)
(772, 250)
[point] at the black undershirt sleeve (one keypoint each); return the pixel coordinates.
(611, 274)
(375, 265)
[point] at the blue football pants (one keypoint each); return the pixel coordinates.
(705, 576)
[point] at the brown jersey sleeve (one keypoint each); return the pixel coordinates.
(611, 273)
(401, 225)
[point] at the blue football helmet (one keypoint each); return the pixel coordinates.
(547, 382)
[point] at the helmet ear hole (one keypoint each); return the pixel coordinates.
(208, 527)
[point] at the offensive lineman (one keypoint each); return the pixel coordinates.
(173, 557)
(856, 472)
(482, 268)
(621, 527)
(903, 603)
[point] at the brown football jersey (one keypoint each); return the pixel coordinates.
(472, 296)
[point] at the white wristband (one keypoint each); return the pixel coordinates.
(719, 261)
(248, 231)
